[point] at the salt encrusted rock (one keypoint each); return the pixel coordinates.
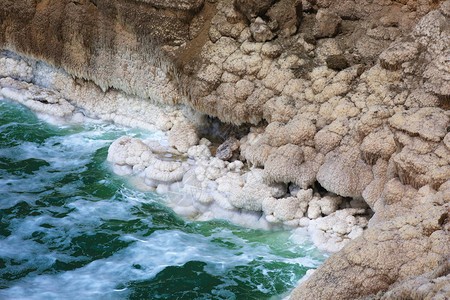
(129, 151)
(330, 232)
(284, 165)
(417, 164)
(261, 31)
(276, 79)
(164, 171)
(247, 191)
(372, 119)
(314, 210)
(219, 51)
(230, 25)
(327, 24)
(329, 204)
(183, 136)
(431, 285)
(200, 152)
(382, 172)
(279, 109)
(433, 34)
(228, 149)
(248, 47)
(377, 145)
(344, 173)
(138, 156)
(419, 98)
(393, 57)
(412, 241)
(244, 88)
(210, 73)
(39, 99)
(330, 136)
(271, 49)
(429, 123)
(17, 69)
(287, 210)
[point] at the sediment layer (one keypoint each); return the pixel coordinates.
(353, 96)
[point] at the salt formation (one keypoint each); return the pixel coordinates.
(351, 95)
(39, 99)
(202, 187)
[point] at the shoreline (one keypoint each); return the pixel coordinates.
(198, 186)
(317, 98)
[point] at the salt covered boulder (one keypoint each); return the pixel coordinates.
(288, 210)
(261, 31)
(249, 191)
(199, 152)
(398, 53)
(138, 156)
(129, 151)
(182, 136)
(377, 145)
(430, 123)
(39, 99)
(164, 171)
(344, 173)
(285, 164)
(421, 163)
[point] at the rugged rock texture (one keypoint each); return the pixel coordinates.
(351, 95)
(413, 240)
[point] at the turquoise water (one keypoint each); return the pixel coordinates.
(71, 229)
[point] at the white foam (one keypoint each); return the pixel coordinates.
(153, 254)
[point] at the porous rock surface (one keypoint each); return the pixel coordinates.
(353, 95)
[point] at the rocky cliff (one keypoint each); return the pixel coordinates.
(350, 96)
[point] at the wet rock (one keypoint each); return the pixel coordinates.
(228, 149)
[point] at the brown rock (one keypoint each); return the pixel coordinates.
(327, 24)
(253, 8)
(337, 62)
(228, 149)
(179, 5)
(287, 14)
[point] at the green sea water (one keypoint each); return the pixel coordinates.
(71, 229)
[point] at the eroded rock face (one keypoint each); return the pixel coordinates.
(411, 243)
(353, 95)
